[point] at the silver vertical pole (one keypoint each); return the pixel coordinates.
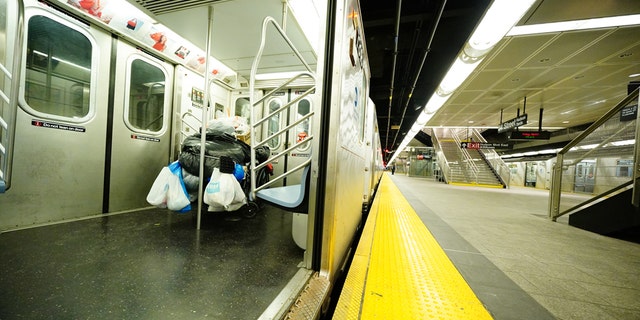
(205, 115)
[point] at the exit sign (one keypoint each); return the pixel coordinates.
(530, 135)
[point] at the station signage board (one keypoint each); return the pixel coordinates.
(483, 145)
(629, 113)
(530, 135)
(513, 123)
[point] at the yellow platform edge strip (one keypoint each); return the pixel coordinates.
(406, 275)
(497, 186)
(348, 306)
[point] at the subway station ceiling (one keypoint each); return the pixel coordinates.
(573, 76)
(410, 45)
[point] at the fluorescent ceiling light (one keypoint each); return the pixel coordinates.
(423, 118)
(308, 18)
(549, 151)
(62, 61)
(584, 147)
(459, 71)
(435, 103)
(607, 22)
(623, 143)
(497, 21)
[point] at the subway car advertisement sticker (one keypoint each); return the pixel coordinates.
(59, 126)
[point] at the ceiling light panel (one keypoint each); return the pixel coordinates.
(516, 47)
(616, 41)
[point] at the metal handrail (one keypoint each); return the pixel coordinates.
(494, 160)
(613, 112)
(470, 163)
(556, 180)
(442, 161)
(600, 196)
(258, 123)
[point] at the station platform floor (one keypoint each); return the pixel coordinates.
(518, 263)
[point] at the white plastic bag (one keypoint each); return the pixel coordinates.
(168, 190)
(176, 197)
(223, 192)
(157, 195)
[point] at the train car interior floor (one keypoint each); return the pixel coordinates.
(150, 264)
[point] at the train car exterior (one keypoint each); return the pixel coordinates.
(103, 103)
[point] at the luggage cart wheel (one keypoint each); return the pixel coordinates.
(251, 210)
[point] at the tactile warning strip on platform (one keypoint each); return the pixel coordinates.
(399, 271)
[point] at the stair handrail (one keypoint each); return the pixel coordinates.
(556, 179)
(256, 124)
(471, 166)
(493, 158)
(445, 169)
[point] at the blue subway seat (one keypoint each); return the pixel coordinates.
(291, 198)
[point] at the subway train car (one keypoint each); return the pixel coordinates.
(98, 97)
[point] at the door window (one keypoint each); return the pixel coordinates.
(243, 109)
(274, 123)
(302, 129)
(585, 176)
(58, 75)
(146, 96)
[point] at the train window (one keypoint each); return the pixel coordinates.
(624, 168)
(58, 73)
(274, 123)
(302, 129)
(146, 103)
(243, 108)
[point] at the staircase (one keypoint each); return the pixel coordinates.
(468, 170)
(486, 175)
(468, 166)
(454, 159)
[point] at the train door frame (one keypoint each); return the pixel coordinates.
(585, 175)
(530, 174)
(58, 140)
(137, 151)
